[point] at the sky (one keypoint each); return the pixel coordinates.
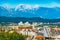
(45, 3)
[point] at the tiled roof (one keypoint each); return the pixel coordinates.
(37, 37)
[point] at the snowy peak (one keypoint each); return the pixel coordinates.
(26, 6)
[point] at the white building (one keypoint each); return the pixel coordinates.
(46, 31)
(27, 24)
(28, 31)
(13, 27)
(21, 23)
(34, 24)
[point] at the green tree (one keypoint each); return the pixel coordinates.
(11, 36)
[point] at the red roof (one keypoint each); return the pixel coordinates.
(26, 28)
(37, 37)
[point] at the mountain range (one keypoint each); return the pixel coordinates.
(30, 11)
(30, 20)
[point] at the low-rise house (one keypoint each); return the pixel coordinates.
(28, 31)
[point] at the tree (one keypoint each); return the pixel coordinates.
(11, 36)
(16, 36)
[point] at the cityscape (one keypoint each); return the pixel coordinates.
(34, 31)
(29, 19)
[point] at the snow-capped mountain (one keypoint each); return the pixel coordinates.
(25, 10)
(26, 7)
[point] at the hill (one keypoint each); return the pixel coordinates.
(23, 19)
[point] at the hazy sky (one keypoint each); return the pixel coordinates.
(48, 3)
